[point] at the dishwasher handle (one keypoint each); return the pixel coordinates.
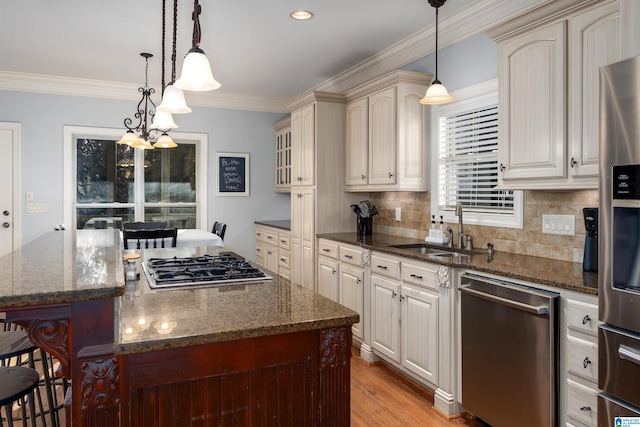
(535, 309)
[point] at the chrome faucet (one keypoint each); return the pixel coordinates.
(460, 226)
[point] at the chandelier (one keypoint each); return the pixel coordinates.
(142, 134)
(436, 93)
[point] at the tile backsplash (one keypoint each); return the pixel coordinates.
(416, 219)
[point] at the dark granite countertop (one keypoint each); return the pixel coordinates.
(283, 224)
(545, 271)
(219, 313)
(61, 267)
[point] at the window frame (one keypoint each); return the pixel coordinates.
(476, 96)
(72, 133)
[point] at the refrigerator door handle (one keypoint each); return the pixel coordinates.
(629, 354)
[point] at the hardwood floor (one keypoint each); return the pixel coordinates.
(382, 397)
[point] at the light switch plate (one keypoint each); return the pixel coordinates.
(558, 224)
(398, 214)
(36, 207)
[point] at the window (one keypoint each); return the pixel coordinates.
(465, 161)
(107, 184)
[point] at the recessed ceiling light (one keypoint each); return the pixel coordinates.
(301, 15)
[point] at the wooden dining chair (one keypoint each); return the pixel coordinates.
(219, 228)
(146, 239)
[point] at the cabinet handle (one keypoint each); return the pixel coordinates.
(586, 319)
(333, 271)
(416, 277)
(258, 250)
(363, 177)
(401, 297)
(573, 162)
(327, 250)
(358, 280)
(502, 168)
(390, 175)
(393, 294)
(270, 237)
(384, 267)
(348, 256)
(283, 260)
(283, 241)
(269, 252)
(586, 362)
(586, 408)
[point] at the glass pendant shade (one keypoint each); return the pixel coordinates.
(436, 94)
(129, 138)
(173, 101)
(163, 120)
(143, 144)
(165, 141)
(196, 73)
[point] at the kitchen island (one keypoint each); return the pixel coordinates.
(243, 354)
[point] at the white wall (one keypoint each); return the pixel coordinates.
(43, 116)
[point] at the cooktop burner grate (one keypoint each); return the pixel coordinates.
(226, 267)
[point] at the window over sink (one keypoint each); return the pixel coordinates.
(107, 184)
(464, 160)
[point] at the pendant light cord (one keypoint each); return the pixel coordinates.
(437, 45)
(164, 14)
(175, 32)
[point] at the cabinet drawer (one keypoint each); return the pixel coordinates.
(260, 253)
(421, 275)
(385, 266)
(327, 249)
(284, 273)
(260, 234)
(284, 240)
(582, 403)
(284, 258)
(271, 237)
(351, 255)
(582, 358)
(582, 316)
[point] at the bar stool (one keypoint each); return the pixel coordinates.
(16, 382)
(43, 402)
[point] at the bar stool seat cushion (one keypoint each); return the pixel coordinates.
(15, 382)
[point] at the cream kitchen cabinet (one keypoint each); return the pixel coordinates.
(404, 314)
(273, 249)
(303, 146)
(318, 201)
(549, 63)
(283, 155)
(386, 147)
(341, 278)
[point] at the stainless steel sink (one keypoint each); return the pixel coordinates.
(430, 250)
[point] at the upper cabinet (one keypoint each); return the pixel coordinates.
(549, 85)
(386, 135)
(304, 143)
(283, 155)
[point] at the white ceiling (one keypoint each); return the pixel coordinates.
(255, 49)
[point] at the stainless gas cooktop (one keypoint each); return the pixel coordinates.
(199, 271)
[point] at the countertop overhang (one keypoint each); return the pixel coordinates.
(544, 271)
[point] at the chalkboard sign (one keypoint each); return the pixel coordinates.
(233, 174)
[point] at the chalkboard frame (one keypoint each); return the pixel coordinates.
(244, 159)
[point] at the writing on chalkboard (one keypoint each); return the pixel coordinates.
(232, 174)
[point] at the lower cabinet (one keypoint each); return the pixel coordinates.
(273, 250)
(341, 278)
(404, 314)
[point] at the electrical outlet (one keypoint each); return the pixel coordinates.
(36, 207)
(558, 224)
(398, 214)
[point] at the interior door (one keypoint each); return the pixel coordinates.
(8, 131)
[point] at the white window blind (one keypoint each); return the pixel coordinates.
(468, 168)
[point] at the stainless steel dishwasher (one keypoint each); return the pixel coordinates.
(509, 352)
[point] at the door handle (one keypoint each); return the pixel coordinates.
(6, 225)
(5, 213)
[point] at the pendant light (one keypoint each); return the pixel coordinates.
(196, 71)
(172, 96)
(436, 93)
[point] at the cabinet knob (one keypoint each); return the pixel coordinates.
(573, 162)
(502, 168)
(401, 297)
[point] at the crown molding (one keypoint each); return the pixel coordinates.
(454, 28)
(57, 85)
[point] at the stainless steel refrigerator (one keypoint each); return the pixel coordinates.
(619, 245)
